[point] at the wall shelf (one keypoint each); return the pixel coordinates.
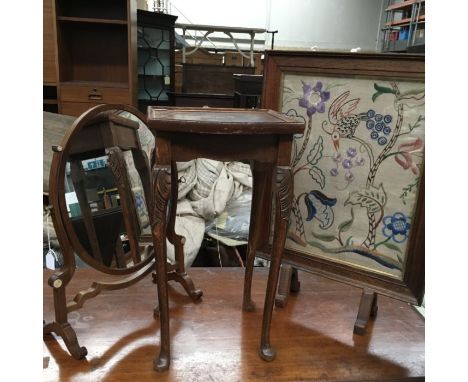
(404, 26)
(401, 5)
(406, 21)
(91, 20)
(96, 46)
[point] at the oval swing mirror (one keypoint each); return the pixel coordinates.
(100, 189)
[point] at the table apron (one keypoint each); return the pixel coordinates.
(261, 148)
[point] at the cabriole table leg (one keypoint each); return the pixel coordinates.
(162, 191)
(284, 193)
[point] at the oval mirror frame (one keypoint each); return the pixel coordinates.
(65, 231)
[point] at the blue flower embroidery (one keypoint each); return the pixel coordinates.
(396, 227)
(319, 206)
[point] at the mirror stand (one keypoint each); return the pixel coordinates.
(176, 272)
(59, 280)
(116, 138)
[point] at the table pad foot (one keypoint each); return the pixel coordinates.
(267, 353)
(161, 363)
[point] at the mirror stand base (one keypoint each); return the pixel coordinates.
(68, 335)
(185, 280)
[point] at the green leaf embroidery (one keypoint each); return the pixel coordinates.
(323, 237)
(383, 89)
(416, 124)
(375, 95)
(400, 259)
(373, 198)
(331, 86)
(317, 175)
(348, 241)
(409, 189)
(315, 153)
(345, 226)
(392, 247)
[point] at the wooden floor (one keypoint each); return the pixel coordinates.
(215, 341)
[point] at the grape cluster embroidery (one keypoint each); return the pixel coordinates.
(378, 125)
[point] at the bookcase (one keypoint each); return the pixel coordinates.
(156, 74)
(96, 49)
(49, 72)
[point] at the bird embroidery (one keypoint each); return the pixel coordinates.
(341, 117)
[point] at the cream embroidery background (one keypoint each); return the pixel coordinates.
(322, 168)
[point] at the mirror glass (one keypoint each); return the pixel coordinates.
(106, 190)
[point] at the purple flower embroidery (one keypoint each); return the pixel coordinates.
(351, 152)
(314, 98)
(360, 161)
(337, 157)
(347, 163)
(349, 176)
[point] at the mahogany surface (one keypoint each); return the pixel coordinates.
(216, 341)
(222, 121)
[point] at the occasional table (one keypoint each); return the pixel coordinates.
(264, 138)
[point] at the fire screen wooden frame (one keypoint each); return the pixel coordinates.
(358, 212)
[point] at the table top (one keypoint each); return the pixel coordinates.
(222, 121)
(105, 130)
(216, 340)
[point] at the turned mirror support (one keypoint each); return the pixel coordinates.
(97, 132)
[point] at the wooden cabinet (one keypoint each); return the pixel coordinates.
(208, 85)
(49, 71)
(96, 47)
(156, 74)
(404, 26)
(96, 92)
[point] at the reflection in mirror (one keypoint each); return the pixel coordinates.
(107, 187)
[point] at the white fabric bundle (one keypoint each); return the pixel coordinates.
(190, 226)
(217, 183)
(205, 187)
